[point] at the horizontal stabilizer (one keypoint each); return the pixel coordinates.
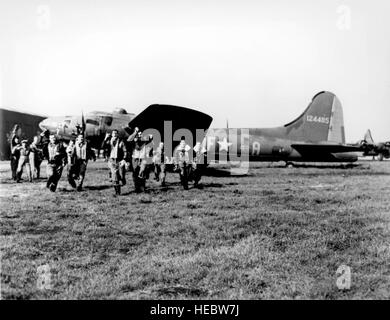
(308, 148)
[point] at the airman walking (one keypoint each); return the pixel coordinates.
(15, 155)
(24, 161)
(139, 158)
(182, 162)
(159, 164)
(55, 162)
(15, 151)
(78, 156)
(44, 138)
(118, 154)
(36, 157)
(198, 162)
(70, 161)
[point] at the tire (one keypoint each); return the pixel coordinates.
(289, 164)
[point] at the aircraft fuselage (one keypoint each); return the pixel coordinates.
(269, 144)
(317, 135)
(97, 124)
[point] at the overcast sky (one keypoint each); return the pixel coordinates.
(255, 63)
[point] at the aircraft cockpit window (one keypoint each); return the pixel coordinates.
(107, 121)
(93, 122)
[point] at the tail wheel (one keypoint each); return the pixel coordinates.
(289, 164)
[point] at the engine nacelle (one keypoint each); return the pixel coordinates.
(120, 111)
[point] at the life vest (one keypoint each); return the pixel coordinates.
(81, 151)
(54, 151)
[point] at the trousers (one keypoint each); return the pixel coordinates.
(77, 171)
(24, 162)
(54, 172)
(118, 171)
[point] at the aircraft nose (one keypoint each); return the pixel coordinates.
(50, 124)
(44, 124)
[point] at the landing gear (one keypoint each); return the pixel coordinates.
(289, 164)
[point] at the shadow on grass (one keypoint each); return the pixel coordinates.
(98, 187)
(191, 186)
(341, 166)
(174, 186)
(7, 181)
(84, 189)
(11, 181)
(152, 189)
(322, 166)
(208, 185)
(221, 173)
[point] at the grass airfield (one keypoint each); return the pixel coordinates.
(276, 233)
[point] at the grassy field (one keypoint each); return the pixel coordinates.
(276, 233)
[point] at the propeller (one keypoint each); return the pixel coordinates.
(83, 124)
(227, 137)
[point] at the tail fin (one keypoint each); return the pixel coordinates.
(321, 121)
(368, 137)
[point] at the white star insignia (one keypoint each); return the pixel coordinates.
(224, 145)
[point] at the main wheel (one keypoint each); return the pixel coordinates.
(289, 164)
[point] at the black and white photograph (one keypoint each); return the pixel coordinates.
(181, 150)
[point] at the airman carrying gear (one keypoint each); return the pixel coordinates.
(55, 163)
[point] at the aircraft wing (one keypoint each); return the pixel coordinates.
(154, 116)
(312, 148)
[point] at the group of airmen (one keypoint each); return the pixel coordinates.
(134, 154)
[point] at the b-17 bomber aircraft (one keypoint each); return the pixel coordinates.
(167, 120)
(317, 135)
(94, 125)
(370, 148)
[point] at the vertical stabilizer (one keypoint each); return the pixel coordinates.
(368, 137)
(321, 121)
(336, 131)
